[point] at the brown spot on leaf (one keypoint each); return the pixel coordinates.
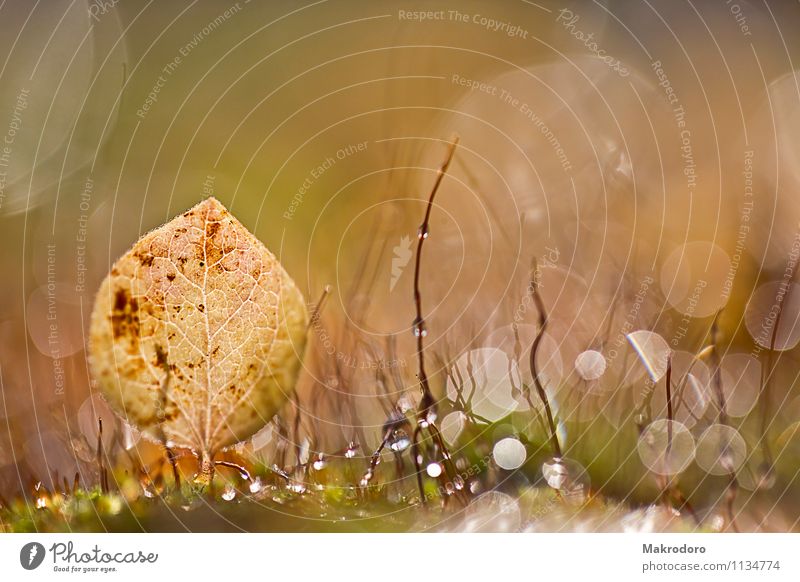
(161, 357)
(212, 229)
(125, 316)
(146, 259)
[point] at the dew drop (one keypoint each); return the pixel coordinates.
(297, 487)
(320, 463)
(765, 476)
(761, 315)
(721, 450)
(399, 441)
(130, 436)
(741, 382)
(509, 453)
(452, 425)
(566, 475)
(693, 278)
(653, 351)
(590, 365)
(434, 470)
(662, 455)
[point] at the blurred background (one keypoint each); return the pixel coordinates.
(645, 152)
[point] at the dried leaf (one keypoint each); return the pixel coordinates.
(198, 332)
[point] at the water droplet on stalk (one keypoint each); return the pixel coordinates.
(396, 427)
(452, 425)
(566, 475)
(229, 493)
(434, 470)
(297, 487)
(590, 365)
(666, 447)
(320, 463)
(765, 476)
(721, 450)
(366, 478)
(399, 441)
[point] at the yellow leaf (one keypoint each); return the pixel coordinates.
(197, 333)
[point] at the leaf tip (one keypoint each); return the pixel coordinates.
(210, 204)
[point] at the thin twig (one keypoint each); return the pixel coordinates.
(733, 482)
(425, 413)
(424, 229)
(100, 464)
(669, 403)
(767, 382)
(537, 301)
(417, 465)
